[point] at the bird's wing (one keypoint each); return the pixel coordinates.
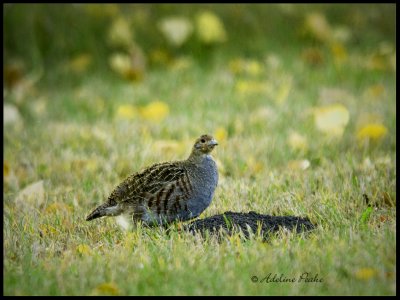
(170, 198)
(139, 186)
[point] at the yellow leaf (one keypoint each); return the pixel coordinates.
(83, 249)
(220, 134)
(339, 53)
(120, 63)
(376, 91)
(372, 131)
(299, 164)
(6, 169)
(210, 28)
(155, 111)
(365, 273)
(11, 115)
(120, 33)
(297, 142)
(160, 56)
(126, 111)
(181, 63)
(254, 166)
(241, 66)
(32, 194)
(331, 119)
(80, 63)
(108, 288)
(250, 87)
(283, 91)
(317, 25)
(176, 29)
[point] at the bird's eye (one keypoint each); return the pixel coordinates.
(203, 141)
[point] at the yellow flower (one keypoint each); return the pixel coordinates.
(155, 111)
(331, 119)
(210, 28)
(126, 111)
(372, 131)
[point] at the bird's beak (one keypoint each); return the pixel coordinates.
(213, 142)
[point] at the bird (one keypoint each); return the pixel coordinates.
(166, 192)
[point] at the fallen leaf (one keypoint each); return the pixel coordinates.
(331, 119)
(254, 166)
(242, 66)
(11, 115)
(375, 92)
(339, 53)
(332, 95)
(126, 111)
(365, 273)
(317, 26)
(251, 87)
(155, 111)
(283, 91)
(80, 63)
(83, 249)
(210, 28)
(297, 141)
(108, 288)
(341, 34)
(181, 63)
(120, 64)
(373, 132)
(120, 34)
(176, 29)
(220, 134)
(302, 164)
(32, 194)
(160, 57)
(130, 66)
(6, 169)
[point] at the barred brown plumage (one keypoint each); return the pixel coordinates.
(167, 191)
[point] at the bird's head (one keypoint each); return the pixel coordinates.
(204, 144)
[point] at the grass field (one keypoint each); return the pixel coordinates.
(306, 130)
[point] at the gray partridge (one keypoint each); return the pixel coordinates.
(165, 192)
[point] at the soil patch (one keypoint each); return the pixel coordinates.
(231, 222)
